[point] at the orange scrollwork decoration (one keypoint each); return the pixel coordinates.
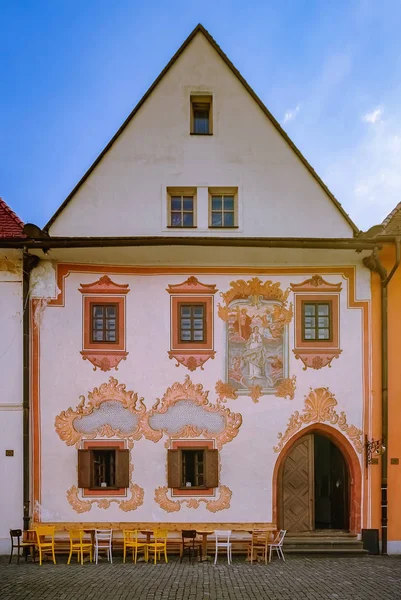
(223, 502)
(287, 388)
(81, 506)
(319, 407)
(225, 391)
(65, 421)
(194, 392)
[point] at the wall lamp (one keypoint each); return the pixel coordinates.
(373, 448)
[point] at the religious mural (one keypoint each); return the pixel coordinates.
(257, 316)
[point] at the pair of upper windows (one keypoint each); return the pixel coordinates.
(223, 212)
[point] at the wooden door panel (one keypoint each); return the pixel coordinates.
(297, 487)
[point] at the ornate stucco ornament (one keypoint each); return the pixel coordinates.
(319, 407)
(169, 505)
(222, 425)
(72, 426)
(80, 506)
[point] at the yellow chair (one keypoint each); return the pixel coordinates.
(79, 545)
(159, 544)
(45, 541)
(131, 541)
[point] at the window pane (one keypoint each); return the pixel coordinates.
(309, 321)
(185, 323)
(185, 311)
(98, 311)
(201, 121)
(217, 220)
(176, 219)
(110, 336)
(323, 321)
(176, 203)
(98, 336)
(309, 309)
(198, 336)
(310, 334)
(188, 203)
(323, 309)
(188, 219)
(216, 203)
(98, 323)
(110, 311)
(186, 336)
(110, 324)
(198, 323)
(324, 334)
(198, 311)
(229, 203)
(228, 219)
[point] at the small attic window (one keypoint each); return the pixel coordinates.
(201, 115)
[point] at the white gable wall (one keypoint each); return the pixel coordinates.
(126, 193)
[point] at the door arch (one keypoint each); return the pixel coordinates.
(299, 445)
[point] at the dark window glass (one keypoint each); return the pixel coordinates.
(316, 321)
(201, 114)
(104, 468)
(182, 211)
(193, 468)
(192, 322)
(104, 323)
(223, 211)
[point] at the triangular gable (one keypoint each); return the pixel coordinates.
(11, 225)
(200, 29)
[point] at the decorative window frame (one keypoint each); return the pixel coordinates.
(317, 354)
(103, 355)
(191, 354)
(103, 445)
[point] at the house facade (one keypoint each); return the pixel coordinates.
(202, 340)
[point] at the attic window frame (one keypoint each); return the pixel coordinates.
(206, 102)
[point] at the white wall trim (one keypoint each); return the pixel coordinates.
(11, 406)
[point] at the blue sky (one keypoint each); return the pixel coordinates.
(330, 72)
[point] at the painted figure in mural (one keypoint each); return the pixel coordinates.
(255, 354)
(242, 324)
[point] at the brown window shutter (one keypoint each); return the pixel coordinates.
(174, 468)
(211, 468)
(122, 468)
(84, 468)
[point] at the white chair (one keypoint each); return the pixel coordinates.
(223, 541)
(277, 544)
(103, 539)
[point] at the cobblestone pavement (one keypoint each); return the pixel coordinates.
(298, 578)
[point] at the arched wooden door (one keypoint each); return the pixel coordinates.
(296, 506)
(314, 486)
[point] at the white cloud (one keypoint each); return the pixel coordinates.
(291, 114)
(373, 116)
(367, 178)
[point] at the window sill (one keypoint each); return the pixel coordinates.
(204, 134)
(223, 227)
(181, 227)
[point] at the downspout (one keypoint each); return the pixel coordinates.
(373, 263)
(28, 263)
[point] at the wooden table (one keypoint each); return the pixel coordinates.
(204, 535)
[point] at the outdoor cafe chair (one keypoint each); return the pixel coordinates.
(103, 538)
(131, 542)
(45, 541)
(223, 542)
(26, 545)
(190, 545)
(159, 544)
(258, 545)
(277, 544)
(79, 545)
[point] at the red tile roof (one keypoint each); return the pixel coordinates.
(11, 226)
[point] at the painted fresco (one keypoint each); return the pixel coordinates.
(257, 318)
(257, 346)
